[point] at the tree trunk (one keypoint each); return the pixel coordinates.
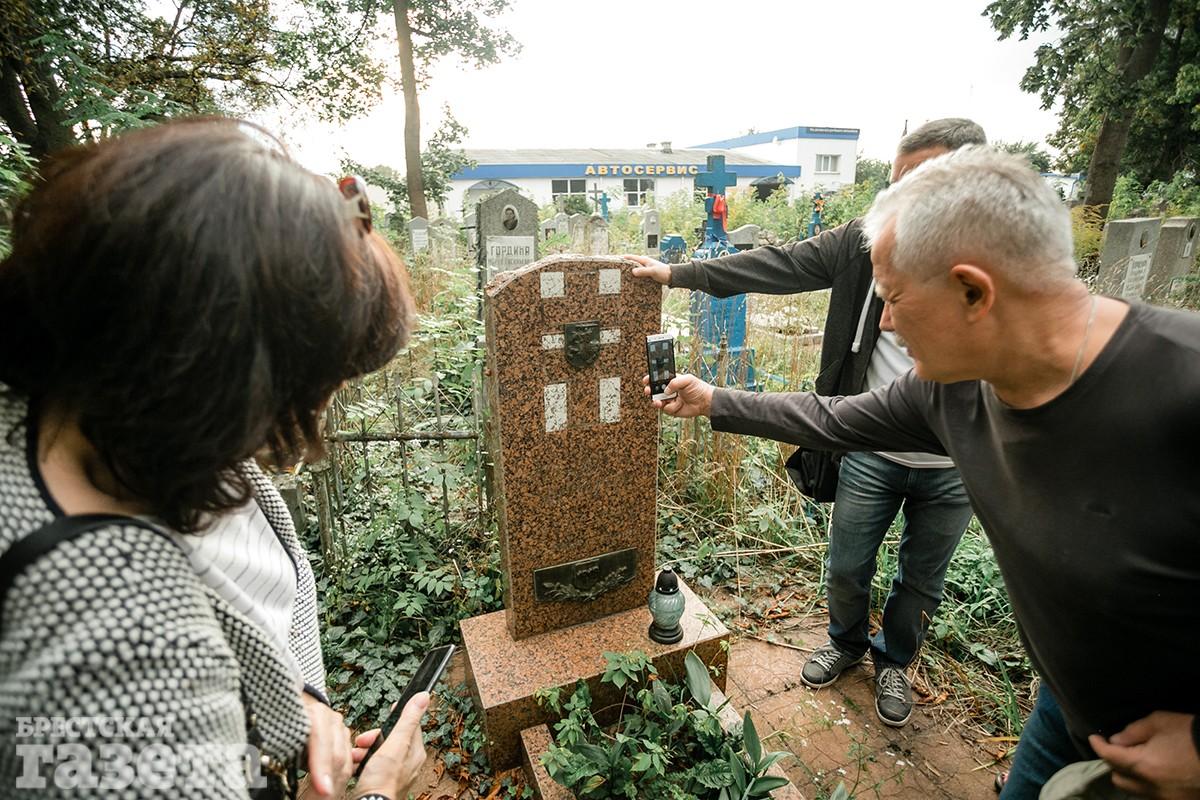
(412, 113)
(13, 110)
(30, 101)
(1134, 63)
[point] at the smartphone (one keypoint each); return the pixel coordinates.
(425, 678)
(660, 357)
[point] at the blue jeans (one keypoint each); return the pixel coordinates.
(871, 490)
(1045, 748)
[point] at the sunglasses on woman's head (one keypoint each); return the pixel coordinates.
(354, 189)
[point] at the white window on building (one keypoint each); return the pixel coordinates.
(565, 188)
(827, 163)
(636, 190)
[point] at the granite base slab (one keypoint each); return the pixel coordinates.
(504, 673)
(537, 740)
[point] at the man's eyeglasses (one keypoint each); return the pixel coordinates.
(354, 189)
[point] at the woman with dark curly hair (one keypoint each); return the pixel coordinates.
(179, 301)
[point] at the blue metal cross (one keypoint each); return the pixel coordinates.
(716, 180)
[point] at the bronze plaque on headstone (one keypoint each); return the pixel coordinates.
(584, 580)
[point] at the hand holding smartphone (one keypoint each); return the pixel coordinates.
(425, 678)
(660, 359)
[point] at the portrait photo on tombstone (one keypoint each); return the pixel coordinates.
(509, 218)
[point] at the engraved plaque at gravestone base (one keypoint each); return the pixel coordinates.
(418, 231)
(1125, 261)
(574, 440)
(507, 226)
(1174, 259)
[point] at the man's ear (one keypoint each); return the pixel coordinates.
(976, 290)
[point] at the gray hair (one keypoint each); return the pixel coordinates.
(950, 133)
(976, 205)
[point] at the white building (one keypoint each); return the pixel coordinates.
(825, 156)
(629, 177)
(1069, 187)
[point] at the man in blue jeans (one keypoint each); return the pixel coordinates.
(872, 487)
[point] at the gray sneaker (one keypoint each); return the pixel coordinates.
(893, 696)
(824, 666)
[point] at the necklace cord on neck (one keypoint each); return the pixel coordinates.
(1087, 333)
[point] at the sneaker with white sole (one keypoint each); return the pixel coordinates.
(893, 696)
(826, 664)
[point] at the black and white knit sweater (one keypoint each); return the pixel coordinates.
(116, 624)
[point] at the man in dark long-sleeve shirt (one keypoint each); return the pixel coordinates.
(872, 488)
(1075, 423)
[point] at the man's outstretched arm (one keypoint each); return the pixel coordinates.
(888, 419)
(804, 266)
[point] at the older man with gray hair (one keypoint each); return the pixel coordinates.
(1075, 423)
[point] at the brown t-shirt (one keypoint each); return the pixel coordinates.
(1091, 502)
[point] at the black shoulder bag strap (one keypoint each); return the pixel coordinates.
(31, 547)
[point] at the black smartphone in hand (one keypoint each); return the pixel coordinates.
(425, 678)
(660, 358)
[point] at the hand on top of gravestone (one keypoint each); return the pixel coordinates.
(693, 397)
(655, 270)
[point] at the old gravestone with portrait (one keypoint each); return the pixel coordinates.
(651, 230)
(506, 224)
(575, 446)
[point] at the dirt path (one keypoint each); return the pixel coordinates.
(836, 735)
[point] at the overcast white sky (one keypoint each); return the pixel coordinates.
(622, 73)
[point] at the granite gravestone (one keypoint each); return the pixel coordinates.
(566, 353)
(575, 447)
(745, 237)
(1174, 258)
(577, 230)
(507, 226)
(443, 239)
(561, 223)
(1125, 261)
(596, 236)
(651, 232)
(418, 233)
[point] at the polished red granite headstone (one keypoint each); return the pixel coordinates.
(573, 439)
(575, 448)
